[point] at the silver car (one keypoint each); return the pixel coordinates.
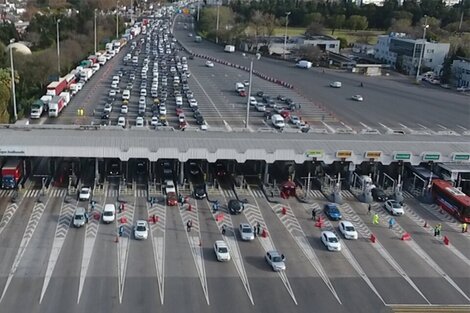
(276, 260)
(79, 217)
(246, 232)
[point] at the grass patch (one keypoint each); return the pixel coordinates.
(350, 35)
(291, 31)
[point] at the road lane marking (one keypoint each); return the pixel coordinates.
(8, 215)
(157, 231)
(445, 217)
(62, 228)
(33, 222)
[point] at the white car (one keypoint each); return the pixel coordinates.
(294, 119)
(121, 121)
(162, 110)
(155, 121)
(192, 103)
(85, 193)
(209, 64)
(143, 92)
(357, 98)
(141, 230)
(112, 93)
(394, 207)
(139, 121)
(221, 251)
(170, 186)
(108, 108)
(142, 101)
(276, 260)
(109, 213)
(246, 232)
(335, 84)
(124, 109)
(330, 241)
(253, 101)
(347, 229)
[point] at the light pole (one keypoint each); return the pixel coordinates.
(421, 53)
(117, 19)
(95, 30)
(285, 35)
(197, 18)
(13, 92)
(257, 57)
(217, 26)
(58, 46)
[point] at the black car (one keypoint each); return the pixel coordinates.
(379, 195)
(281, 98)
(200, 192)
(260, 93)
(105, 116)
(235, 206)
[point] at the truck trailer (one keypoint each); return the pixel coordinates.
(55, 88)
(55, 106)
(12, 173)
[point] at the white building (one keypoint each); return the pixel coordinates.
(403, 53)
(400, 2)
(461, 72)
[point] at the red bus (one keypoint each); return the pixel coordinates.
(451, 199)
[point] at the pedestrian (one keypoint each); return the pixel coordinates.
(254, 230)
(92, 205)
(189, 224)
(375, 219)
(391, 222)
(439, 229)
(86, 217)
(258, 228)
(223, 230)
(435, 231)
(369, 209)
(314, 214)
(464, 227)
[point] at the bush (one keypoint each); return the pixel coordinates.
(343, 42)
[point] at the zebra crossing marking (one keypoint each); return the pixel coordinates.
(157, 233)
(316, 194)
(228, 193)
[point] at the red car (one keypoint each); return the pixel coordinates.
(285, 114)
(242, 93)
(183, 125)
(179, 111)
(171, 199)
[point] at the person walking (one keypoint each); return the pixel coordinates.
(435, 231)
(189, 224)
(375, 219)
(258, 228)
(223, 230)
(391, 223)
(464, 227)
(439, 229)
(254, 230)
(314, 214)
(369, 209)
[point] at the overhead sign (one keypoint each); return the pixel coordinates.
(344, 154)
(431, 156)
(373, 154)
(314, 153)
(460, 156)
(402, 156)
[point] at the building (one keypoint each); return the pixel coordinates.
(403, 53)
(461, 72)
(325, 43)
(276, 44)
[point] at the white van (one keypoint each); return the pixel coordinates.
(126, 94)
(109, 213)
(239, 87)
(278, 121)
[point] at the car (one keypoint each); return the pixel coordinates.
(246, 232)
(155, 121)
(181, 118)
(294, 119)
(132, 76)
(79, 217)
(394, 207)
(221, 251)
(332, 211)
(169, 186)
(200, 192)
(121, 121)
(335, 84)
(285, 114)
(379, 195)
(194, 168)
(331, 242)
(109, 213)
(235, 206)
(162, 110)
(85, 194)
(171, 199)
(105, 116)
(139, 121)
(281, 98)
(209, 64)
(260, 94)
(242, 93)
(124, 109)
(220, 169)
(357, 98)
(142, 100)
(143, 92)
(253, 101)
(246, 82)
(347, 229)
(192, 103)
(108, 108)
(190, 34)
(276, 260)
(141, 230)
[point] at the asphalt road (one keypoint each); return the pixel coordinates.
(392, 102)
(47, 265)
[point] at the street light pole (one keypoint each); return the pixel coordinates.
(285, 35)
(257, 56)
(217, 26)
(198, 4)
(95, 30)
(58, 47)
(421, 53)
(13, 92)
(117, 19)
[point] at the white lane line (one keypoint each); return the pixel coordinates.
(205, 93)
(399, 231)
(63, 224)
(91, 232)
(331, 129)
(365, 232)
(33, 222)
(8, 215)
(157, 231)
(365, 125)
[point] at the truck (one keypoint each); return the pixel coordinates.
(304, 64)
(73, 89)
(102, 60)
(46, 99)
(70, 78)
(86, 74)
(229, 48)
(55, 106)
(86, 63)
(109, 46)
(56, 87)
(67, 96)
(37, 108)
(12, 173)
(93, 58)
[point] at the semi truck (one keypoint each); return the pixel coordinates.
(86, 63)
(55, 106)
(12, 173)
(56, 87)
(67, 96)
(37, 108)
(86, 74)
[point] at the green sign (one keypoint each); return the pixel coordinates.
(402, 156)
(461, 157)
(314, 153)
(431, 157)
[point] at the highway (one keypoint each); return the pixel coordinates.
(390, 102)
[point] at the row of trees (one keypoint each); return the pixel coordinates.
(35, 71)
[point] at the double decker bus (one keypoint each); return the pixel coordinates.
(451, 199)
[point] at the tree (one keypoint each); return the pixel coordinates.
(314, 29)
(357, 22)
(343, 42)
(401, 26)
(5, 95)
(336, 21)
(310, 53)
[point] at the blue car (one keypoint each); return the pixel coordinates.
(331, 210)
